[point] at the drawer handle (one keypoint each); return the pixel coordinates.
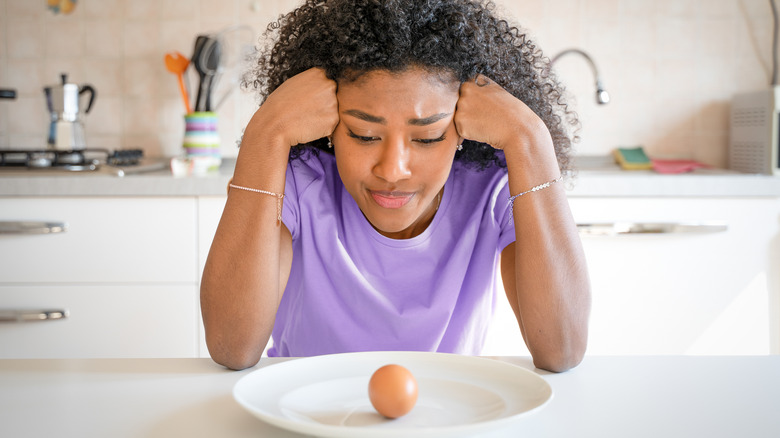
(623, 228)
(32, 227)
(30, 315)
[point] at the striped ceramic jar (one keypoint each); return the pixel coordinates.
(200, 137)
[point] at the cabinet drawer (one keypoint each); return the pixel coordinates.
(104, 321)
(697, 291)
(105, 240)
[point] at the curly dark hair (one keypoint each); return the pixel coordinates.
(347, 38)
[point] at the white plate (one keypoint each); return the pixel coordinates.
(328, 395)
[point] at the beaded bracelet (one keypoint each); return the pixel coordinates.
(532, 189)
(279, 197)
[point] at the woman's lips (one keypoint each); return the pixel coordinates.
(391, 199)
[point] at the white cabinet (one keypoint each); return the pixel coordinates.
(687, 292)
(126, 270)
(105, 320)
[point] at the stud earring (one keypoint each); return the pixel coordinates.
(459, 147)
(330, 145)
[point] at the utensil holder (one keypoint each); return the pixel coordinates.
(201, 139)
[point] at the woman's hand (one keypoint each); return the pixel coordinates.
(302, 109)
(489, 114)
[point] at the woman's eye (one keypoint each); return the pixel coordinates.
(361, 138)
(431, 140)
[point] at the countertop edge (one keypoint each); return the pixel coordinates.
(585, 182)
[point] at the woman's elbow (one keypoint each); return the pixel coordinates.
(561, 359)
(558, 364)
(233, 357)
(235, 361)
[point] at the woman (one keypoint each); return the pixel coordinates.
(370, 206)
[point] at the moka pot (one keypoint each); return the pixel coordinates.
(66, 130)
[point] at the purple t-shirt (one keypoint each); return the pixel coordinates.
(353, 289)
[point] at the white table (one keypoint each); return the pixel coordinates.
(631, 396)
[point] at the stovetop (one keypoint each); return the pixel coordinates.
(80, 160)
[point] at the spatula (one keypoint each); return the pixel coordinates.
(177, 64)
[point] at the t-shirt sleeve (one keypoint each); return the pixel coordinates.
(503, 214)
(305, 177)
(291, 206)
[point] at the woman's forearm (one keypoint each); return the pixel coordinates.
(552, 290)
(245, 275)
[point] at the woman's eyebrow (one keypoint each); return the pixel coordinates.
(365, 116)
(427, 120)
(381, 120)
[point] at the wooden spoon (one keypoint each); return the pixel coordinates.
(177, 64)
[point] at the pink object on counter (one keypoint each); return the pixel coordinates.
(676, 166)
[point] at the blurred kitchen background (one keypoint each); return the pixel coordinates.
(670, 66)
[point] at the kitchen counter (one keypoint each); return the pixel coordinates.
(596, 177)
(106, 182)
(607, 396)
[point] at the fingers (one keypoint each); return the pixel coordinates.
(305, 107)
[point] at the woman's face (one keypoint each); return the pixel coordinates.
(395, 145)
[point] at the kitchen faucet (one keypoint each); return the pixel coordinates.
(602, 97)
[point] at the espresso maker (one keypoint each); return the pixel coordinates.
(66, 130)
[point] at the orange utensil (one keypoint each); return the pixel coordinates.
(177, 64)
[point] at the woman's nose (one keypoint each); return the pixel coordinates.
(393, 163)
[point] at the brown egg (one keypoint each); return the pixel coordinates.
(392, 390)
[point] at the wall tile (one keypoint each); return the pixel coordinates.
(105, 75)
(142, 10)
(141, 77)
(716, 37)
(141, 39)
(637, 37)
(25, 75)
(180, 9)
(3, 33)
(54, 67)
(149, 143)
(5, 106)
(227, 9)
(29, 115)
(65, 38)
(27, 141)
(105, 38)
(601, 10)
(641, 9)
(106, 118)
(754, 9)
(711, 149)
(179, 35)
(603, 35)
(25, 38)
(719, 9)
(678, 8)
(676, 38)
(24, 8)
(103, 9)
(140, 116)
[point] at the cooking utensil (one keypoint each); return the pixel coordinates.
(212, 52)
(177, 64)
(200, 67)
(236, 48)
